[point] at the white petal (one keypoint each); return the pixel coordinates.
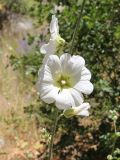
(85, 74)
(40, 72)
(40, 77)
(82, 109)
(54, 28)
(54, 64)
(64, 60)
(77, 61)
(49, 48)
(45, 86)
(64, 99)
(43, 48)
(84, 113)
(45, 75)
(72, 65)
(85, 87)
(78, 97)
(48, 92)
(45, 59)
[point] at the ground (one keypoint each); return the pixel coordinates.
(16, 133)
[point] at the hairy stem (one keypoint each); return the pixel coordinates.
(76, 27)
(52, 136)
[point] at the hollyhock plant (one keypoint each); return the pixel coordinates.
(56, 43)
(63, 80)
(63, 77)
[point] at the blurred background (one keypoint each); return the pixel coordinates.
(25, 121)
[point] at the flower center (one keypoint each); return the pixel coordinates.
(63, 81)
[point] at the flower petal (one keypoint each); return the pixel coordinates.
(82, 109)
(45, 75)
(45, 86)
(72, 65)
(54, 64)
(85, 74)
(64, 99)
(85, 87)
(64, 60)
(54, 28)
(78, 97)
(84, 113)
(48, 92)
(49, 48)
(44, 48)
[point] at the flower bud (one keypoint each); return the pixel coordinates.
(68, 113)
(109, 157)
(60, 40)
(81, 110)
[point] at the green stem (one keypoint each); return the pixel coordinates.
(115, 139)
(115, 126)
(76, 27)
(52, 136)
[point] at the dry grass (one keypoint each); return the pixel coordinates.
(18, 132)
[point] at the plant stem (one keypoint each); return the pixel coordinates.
(115, 126)
(115, 139)
(76, 27)
(52, 136)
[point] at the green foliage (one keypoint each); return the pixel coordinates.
(14, 5)
(27, 64)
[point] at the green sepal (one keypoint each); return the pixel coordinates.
(68, 113)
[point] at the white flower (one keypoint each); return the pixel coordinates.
(55, 43)
(81, 110)
(63, 80)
